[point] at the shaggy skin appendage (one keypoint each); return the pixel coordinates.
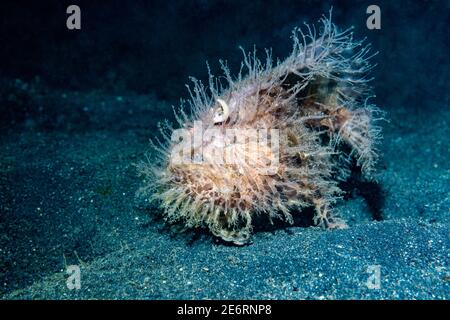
(316, 99)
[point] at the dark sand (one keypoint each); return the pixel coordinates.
(67, 191)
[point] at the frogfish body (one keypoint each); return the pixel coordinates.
(272, 141)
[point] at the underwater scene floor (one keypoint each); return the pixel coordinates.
(67, 194)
